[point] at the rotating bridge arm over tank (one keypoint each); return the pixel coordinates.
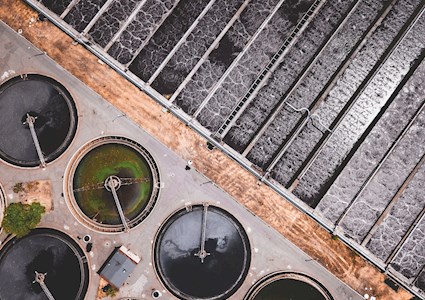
(30, 120)
(39, 278)
(101, 185)
(112, 184)
(202, 253)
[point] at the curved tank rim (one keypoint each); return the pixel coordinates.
(73, 164)
(241, 230)
(69, 241)
(2, 206)
(74, 126)
(282, 275)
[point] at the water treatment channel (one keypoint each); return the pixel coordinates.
(112, 184)
(44, 262)
(38, 120)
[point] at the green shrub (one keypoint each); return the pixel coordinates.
(20, 218)
(18, 187)
(109, 290)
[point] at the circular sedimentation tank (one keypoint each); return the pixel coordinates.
(202, 252)
(41, 103)
(288, 286)
(50, 254)
(112, 184)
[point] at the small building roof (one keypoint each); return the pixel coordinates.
(119, 265)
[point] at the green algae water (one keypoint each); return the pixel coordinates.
(289, 289)
(112, 159)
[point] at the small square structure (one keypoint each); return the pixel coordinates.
(119, 265)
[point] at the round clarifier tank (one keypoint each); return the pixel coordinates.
(41, 103)
(51, 253)
(113, 184)
(202, 253)
(288, 286)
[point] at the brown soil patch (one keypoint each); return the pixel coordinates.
(37, 191)
(230, 176)
(100, 293)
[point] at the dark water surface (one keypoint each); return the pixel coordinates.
(55, 124)
(44, 251)
(57, 6)
(221, 273)
(289, 289)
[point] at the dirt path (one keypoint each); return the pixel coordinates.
(239, 183)
(37, 191)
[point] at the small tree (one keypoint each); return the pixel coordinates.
(20, 218)
(109, 290)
